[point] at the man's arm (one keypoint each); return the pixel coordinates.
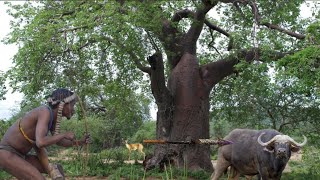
(68, 143)
(42, 140)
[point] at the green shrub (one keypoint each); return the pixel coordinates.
(299, 176)
(309, 165)
(4, 126)
(4, 175)
(146, 131)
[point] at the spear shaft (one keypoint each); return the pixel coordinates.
(156, 141)
(219, 142)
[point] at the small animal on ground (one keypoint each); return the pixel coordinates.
(133, 147)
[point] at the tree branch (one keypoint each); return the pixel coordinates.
(153, 43)
(216, 28)
(158, 87)
(257, 16)
(97, 108)
(214, 72)
(176, 42)
(72, 29)
(171, 40)
(132, 55)
(290, 33)
(211, 42)
(193, 33)
(73, 11)
(283, 124)
(185, 13)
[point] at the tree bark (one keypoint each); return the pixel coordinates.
(185, 117)
(191, 114)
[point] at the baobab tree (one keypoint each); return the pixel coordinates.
(184, 47)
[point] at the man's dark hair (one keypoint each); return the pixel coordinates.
(59, 95)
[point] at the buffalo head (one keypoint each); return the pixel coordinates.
(281, 145)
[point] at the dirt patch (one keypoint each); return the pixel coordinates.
(296, 156)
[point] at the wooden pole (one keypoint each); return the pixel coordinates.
(219, 142)
(86, 131)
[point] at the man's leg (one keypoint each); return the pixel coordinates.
(43, 158)
(18, 167)
(55, 171)
(42, 161)
(34, 160)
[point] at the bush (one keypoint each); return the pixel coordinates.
(146, 131)
(4, 126)
(310, 162)
(95, 127)
(115, 154)
(4, 175)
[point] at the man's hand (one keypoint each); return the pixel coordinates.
(69, 135)
(86, 139)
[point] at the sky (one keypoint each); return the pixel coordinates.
(7, 52)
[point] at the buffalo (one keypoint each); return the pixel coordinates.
(256, 152)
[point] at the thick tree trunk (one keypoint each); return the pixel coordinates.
(191, 114)
(184, 118)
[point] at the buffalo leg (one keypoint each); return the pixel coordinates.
(220, 168)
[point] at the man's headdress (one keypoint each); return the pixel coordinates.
(60, 97)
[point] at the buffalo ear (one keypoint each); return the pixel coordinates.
(269, 148)
(295, 148)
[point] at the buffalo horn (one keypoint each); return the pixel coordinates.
(265, 143)
(298, 144)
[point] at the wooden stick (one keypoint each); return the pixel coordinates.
(219, 142)
(86, 131)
